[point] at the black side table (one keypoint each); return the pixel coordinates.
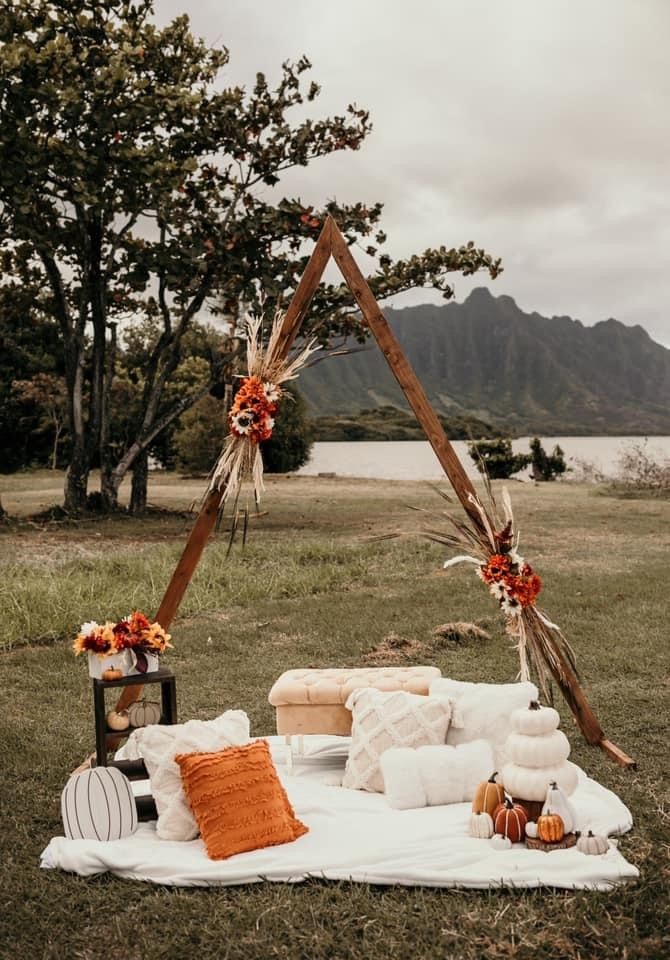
(133, 769)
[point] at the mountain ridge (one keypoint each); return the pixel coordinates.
(489, 359)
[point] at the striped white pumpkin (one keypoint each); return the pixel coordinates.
(98, 804)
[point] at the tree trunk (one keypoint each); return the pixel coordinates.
(138, 488)
(76, 480)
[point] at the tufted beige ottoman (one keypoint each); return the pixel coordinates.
(312, 701)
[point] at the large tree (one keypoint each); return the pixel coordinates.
(132, 185)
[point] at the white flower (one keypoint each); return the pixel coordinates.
(269, 423)
(242, 422)
(89, 627)
(272, 392)
(516, 558)
(511, 608)
(498, 591)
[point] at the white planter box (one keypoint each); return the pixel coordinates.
(153, 663)
(115, 661)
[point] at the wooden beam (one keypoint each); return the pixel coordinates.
(406, 377)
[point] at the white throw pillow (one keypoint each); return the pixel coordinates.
(484, 710)
(382, 720)
(158, 745)
(435, 775)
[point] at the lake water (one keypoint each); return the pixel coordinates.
(415, 460)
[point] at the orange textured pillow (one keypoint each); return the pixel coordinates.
(238, 800)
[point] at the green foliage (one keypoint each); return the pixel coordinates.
(289, 447)
(495, 457)
(134, 183)
(199, 437)
(546, 466)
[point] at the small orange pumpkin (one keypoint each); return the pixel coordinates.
(488, 795)
(112, 673)
(550, 827)
(510, 820)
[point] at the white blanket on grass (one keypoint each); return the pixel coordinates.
(357, 836)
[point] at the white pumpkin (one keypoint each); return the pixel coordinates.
(531, 829)
(98, 804)
(529, 783)
(142, 713)
(545, 751)
(535, 720)
(118, 721)
(558, 802)
(481, 825)
(592, 845)
(498, 842)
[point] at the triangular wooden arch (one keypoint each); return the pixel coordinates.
(332, 243)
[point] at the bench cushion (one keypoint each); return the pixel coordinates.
(313, 700)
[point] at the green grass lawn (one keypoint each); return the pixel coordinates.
(313, 587)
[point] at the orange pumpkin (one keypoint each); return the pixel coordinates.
(112, 673)
(488, 796)
(510, 820)
(550, 827)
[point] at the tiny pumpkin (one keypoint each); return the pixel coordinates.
(550, 827)
(498, 842)
(488, 795)
(531, 829)
(481, 825)
(112, 673)
(142, 713)
(510, 819)
(592, 844)
(118, 721)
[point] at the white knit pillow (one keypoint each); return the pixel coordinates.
(484, 710)
(435, 775)
(159, 744)
(384, 720)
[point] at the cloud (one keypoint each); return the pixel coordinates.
(538, 129)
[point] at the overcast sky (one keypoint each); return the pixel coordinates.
(540, 129)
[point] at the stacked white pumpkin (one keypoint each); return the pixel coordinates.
(537, 753)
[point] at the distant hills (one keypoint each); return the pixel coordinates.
(524, 373)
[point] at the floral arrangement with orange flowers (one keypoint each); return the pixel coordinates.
(493, 547)
(134, 632)
(510, 580)
(251, 418)
(252, 413)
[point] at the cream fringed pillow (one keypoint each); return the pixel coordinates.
(158, 745)
(384, 720)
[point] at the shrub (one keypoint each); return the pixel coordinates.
(199, 437)
(290, 445)
(497, 458)
(543, 465)
(640, 474)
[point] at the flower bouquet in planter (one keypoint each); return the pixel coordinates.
(131, 646)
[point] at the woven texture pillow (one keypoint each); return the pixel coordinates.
(484, 710)
(238, 800)
(385, 720)
(158, 745)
